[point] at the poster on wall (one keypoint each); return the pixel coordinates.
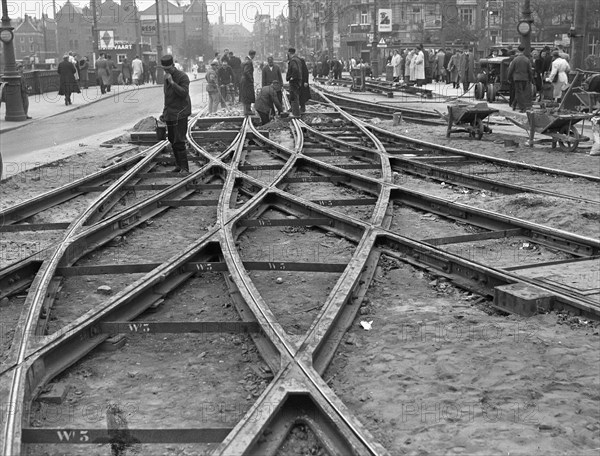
(385, 20)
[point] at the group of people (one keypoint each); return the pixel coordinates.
(223, 78)
(544, 66)
(133, 73)
(419, 66)
(229, 77)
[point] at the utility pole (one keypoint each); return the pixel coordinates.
(159, 71)
(292, 20)
(374, 52)
(12, 78)
(55, 29)
(95, 37)
(577, 33)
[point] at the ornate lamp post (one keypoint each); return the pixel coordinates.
(14, 103)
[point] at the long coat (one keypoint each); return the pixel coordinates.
(560, 67)
(247, 94)
(305, 89)
(68, 83)
(453, 67)
(419, 65)
(396, 61)
(102, 71)
(408, 64)
(466, 68)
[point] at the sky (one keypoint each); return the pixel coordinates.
(234, 11)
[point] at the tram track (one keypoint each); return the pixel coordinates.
(268, 192)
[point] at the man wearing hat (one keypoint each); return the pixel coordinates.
(520, 74)
(295, 80)
(247, 95)
(67, 82)
(178, 107)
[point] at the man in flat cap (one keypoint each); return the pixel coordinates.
(178, 107)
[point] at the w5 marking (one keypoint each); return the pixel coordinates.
(139, 327)
(73, 436)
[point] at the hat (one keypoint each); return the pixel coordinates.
(166, 60)
(292, 50)
(555, 53)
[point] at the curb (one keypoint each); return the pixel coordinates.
(75, 108)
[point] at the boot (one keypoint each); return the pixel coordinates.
(182, 161)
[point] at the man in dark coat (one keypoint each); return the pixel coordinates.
(102, 73)
(178, 107)
(267, 101)
(68, 83)
(247, 95)
(305, 89)
(295, 81)
(236, 66)
(521, 75)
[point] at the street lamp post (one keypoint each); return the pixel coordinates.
(374, 60)
(159, 71)
(12, 78)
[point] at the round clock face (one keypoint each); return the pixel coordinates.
(524, 27)
(6, 35)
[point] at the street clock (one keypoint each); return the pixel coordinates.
(6, 35)
(524, 28)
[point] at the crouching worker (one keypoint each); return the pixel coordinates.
(266, 100)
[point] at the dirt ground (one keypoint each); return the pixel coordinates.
(439, 373)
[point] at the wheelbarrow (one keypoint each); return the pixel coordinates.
(469, 119)
(560, 127)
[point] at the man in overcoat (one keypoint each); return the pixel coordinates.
(68, 84)
(247, 94)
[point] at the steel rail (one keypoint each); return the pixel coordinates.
(35, 299)
(230, 217)
(32, 206)
(243, 283)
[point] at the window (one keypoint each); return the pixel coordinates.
(414, 15)
(22, 48)
(466, 15)
(31, 39)
(22, 39)
(31, 46)
(494, 17)
(364, 17)
(121, 57)
(494, 36)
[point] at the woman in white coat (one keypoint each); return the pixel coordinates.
(558, 76)
(407, 65)
(419, 65)
(396, 61)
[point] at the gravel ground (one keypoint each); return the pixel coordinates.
(439, 373)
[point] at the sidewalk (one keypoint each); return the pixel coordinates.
(51, 104)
